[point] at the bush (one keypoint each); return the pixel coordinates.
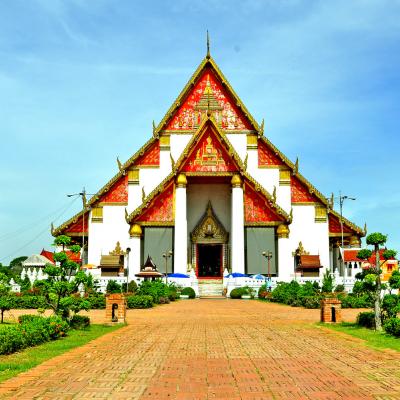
(392, 326)
(327, 282)
(79, 322)
(352, 301)
(237, 293)
(311, 302)
(31, 331)
(28, 301)
(113, 287)
(164, 300)
(263, 292)
(189, 292)
(339, 288)
(97, 301)
(366, 319)
(140, 301)
(286, 293)
(155, 289)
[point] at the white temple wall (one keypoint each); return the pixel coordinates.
(239, 143)
(268, 178)
(103, 236)
(198, 196)
(150, 178)
(177, 144)
(313, 235)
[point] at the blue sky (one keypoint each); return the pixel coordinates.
(81, 82)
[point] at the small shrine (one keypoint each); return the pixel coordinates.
(149, 270)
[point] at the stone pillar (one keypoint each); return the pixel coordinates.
(331, 310)
(237, 225)
(285, 257)
(180, 234)
(115, 308)
(135, 233)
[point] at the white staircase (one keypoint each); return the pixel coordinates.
(210, 287)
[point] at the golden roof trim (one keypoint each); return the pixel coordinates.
(66, 224)
(192, 82)
(347, 222)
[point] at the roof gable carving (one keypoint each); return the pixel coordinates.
(207, 89)
(258, 209)
(209, 229)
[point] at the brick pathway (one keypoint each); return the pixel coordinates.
(216, 349)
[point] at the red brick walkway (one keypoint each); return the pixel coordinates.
(216, 349)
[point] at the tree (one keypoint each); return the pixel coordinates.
(64, 280)
(372, 276)
(5, 298)
(327, 282)
(16, 265)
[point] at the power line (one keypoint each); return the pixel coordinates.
(28, 226)
(39, 234)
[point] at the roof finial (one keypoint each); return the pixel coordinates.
(208, 45)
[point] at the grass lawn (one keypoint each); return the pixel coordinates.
(376, 340)
(13, 364)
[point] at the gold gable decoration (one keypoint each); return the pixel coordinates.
(97, 214)
(209, 229)
(117, 251)
(321, 214)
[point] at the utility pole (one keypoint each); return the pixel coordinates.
(268, 255)
(167, 255)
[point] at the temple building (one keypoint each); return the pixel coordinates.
(210, 190)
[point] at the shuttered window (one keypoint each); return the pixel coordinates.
(158, 240)
(258, 240)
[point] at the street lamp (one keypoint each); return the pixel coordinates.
(167, 255)
(128, 250)
(268, 255)
(341, 201)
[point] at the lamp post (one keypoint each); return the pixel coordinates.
(128, 250)
(167, 255)
(341, 201)
(268, 255)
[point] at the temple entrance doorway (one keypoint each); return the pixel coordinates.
(209, 263)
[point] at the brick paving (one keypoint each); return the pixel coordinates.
(216, 349)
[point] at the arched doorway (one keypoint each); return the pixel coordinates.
(209, 245)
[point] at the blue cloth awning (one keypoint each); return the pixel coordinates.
(178, 275)
(259, 276)
(236, 275)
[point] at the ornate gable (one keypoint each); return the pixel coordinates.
(118, 193)
(267, 157)
(208, 93)
(78, 226)
(160, 210)
(151, 157)
(257, 209)
(209, 229)
(301, 193)
(209, 155)
(334, 225)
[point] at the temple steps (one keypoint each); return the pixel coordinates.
(210, 288)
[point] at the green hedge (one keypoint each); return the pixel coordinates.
(188, 291)
(366, 319)
(31, 331)
(392, 326)
(79, 322)
(140, 301)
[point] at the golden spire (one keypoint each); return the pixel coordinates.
(296, 166)
(143, 194)
(126, 215)
(172, 161)
(208, 45)
(245, 161)
(154, 128)
(262, 128)
(119, 164)
(274, 194)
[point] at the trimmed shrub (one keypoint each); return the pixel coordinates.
(164, 300)
(140, 301)
(79, 322)
(311, 301)
(237, 293)
(97, 301)
(155, 289)
(113, 287)
(31, 331)
(188, 291)
(366, 319)
(392, 326)
(339, 288)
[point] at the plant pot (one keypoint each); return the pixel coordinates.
(184, 296)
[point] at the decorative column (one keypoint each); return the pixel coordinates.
(237, 225)
(135, 233)
(285, 257)
(180, 234)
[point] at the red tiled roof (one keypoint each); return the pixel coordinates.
(351, 255)
(309, 262)
(72, 256)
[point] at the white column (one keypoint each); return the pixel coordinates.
(237, 226)
(285, 257)
(135, 233)
(180, 234)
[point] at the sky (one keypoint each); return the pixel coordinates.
(82, 81)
